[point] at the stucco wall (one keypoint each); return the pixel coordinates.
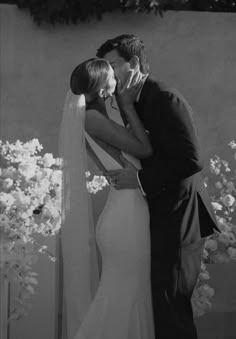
(194, 52)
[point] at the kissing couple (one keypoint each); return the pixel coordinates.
(150, 234)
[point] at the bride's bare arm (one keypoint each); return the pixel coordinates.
(136, 143)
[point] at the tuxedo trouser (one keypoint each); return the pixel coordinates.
(173, 279)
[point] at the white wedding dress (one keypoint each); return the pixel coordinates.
(122, 306)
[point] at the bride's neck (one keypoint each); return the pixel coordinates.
(90, 98)
(96, 102)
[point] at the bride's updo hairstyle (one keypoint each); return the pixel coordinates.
(90, 76)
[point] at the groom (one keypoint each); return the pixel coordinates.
(180, 210)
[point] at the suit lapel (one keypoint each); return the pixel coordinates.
(143, 105)
(140, 105)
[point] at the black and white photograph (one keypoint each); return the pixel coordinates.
(117, 169)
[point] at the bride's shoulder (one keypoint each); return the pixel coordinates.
(96, 119)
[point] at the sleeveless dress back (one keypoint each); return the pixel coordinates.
(122, 307)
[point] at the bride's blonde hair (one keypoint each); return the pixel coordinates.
(90, 76)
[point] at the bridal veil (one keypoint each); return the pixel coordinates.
(80, 266)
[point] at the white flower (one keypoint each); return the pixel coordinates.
(232, 144)
(7, 183)
(38, 175)
(34, 145)
(87, 174)
(215, 170)
(215, 166)
(96, 184)
(204, 275)
(201, 298)
(48, 160)
(223, 225)
(42, 187)
(27, 170)
(216, 206)
(211, 244)
(47, 172)
(226, 165)
(228, 200)
(24, 215)
(6, 199)
(9, 172)
(219, 185)
(21, 200)
(43, 249)
(50, 211)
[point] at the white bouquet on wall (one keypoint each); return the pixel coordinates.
(30, 205)
(221, 247)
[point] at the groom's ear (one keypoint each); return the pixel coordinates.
(134, 62)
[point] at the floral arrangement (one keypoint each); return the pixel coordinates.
(221, 246)
(96, 184)
(30, 204)
(202, 294)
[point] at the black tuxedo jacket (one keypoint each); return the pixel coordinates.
(180, 209)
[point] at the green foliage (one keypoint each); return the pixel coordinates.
(72, 11)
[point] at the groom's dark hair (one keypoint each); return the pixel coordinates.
(127, 46)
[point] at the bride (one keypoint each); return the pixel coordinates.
(116, 305)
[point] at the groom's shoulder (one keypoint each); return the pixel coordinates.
(165, 91)
(160, 87)
(172, 98)
(155, 84)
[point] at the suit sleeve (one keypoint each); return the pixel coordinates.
(177, 140)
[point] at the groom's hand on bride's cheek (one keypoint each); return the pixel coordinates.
(123, 179)
(126, 94)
